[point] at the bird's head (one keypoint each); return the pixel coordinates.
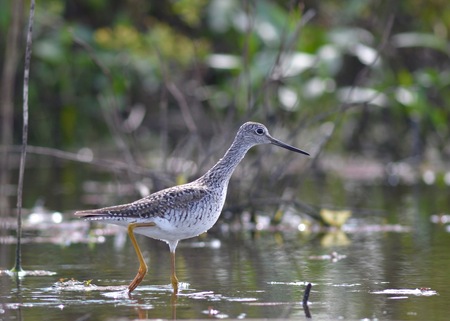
(252, 133)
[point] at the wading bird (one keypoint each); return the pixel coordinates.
(184, 211)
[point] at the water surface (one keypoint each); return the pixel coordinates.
(389, 262)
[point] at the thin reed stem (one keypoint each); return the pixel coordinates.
(18, 265)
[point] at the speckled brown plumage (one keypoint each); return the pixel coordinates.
(154, 205)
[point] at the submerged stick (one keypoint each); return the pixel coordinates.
(306, 294)
(18, 265)
(305, 300)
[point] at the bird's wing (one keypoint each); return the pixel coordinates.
(154, 205)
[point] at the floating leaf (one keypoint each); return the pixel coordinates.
(335, 218)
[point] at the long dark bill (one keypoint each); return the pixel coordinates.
(289, 147)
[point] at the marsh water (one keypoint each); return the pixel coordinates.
(389, 261)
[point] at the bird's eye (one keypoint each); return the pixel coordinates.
(259, 131)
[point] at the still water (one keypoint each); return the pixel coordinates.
(388, 262)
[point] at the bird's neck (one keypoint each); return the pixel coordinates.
(224, 168)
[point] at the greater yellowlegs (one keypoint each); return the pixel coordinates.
(184, 211)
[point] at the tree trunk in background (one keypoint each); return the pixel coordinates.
(7, 99)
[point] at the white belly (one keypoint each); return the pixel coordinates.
(176, 224)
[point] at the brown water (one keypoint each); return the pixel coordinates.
(392, 263)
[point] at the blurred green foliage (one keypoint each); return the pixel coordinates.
(385, 86)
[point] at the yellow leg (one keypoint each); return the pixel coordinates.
(142, 266)
(173, 277)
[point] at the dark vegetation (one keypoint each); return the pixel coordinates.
(164, 85)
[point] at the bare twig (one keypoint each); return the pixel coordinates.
(306, 209)
(112, 165)
(245, 55)
(164, 133)
(286, 46)
(183, 105)
(110, 120)
(93, 56)
(113, 126)
(26, 76)
(359, 78)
